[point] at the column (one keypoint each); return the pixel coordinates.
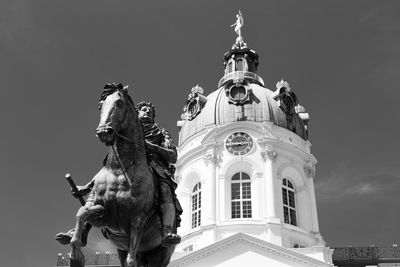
(310, 173)
(273, 230)
(269, 156)
(209, 196)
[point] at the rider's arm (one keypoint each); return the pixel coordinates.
(167, 154)
(167, 150)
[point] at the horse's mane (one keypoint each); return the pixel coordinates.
(110, 88)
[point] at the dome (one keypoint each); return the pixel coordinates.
(241, 96)
(247, 102)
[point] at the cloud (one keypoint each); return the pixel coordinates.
(346, 182)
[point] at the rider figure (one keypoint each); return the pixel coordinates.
(160, 153)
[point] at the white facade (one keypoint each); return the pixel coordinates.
(242, 204)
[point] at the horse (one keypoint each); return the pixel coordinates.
(121, 201)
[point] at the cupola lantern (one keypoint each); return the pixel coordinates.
(240, 62)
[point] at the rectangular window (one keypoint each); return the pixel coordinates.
(246, 209)
(199, 200)
(241, 196)
(291, 200)
(286, 214)
(284, 194)
(293, 217)
(235, 209)
(235, 191)
(239, 65)
(246, 191)
(199, 218)
(194, 220)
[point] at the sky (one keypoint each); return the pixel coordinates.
(342, 59)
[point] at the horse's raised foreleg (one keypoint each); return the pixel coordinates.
(85, 212)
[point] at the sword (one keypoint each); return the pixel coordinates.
(74, 188)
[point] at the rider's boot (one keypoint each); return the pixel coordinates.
(169, 238)
(65, 238)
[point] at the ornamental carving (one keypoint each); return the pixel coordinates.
(268, 154)
(194, 104)
(309, 171)
(286, 98)
(212, 159)
(238, 92)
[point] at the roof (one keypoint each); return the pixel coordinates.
(219, 110)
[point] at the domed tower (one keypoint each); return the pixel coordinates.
(245, 169)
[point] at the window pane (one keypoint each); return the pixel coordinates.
(291, 199)
(237, 92)
(245, 176)
(293, 217)
(194, 220)
(246, 191)
(199, 218)
(235, 209)
(290, 184)
(284, 182)
(194, 202)
(246, 209)
(230, 68)
(235, 189)
(239, 65)
(199, 197)
(236, 176)
(284, 195)
(196, 205)
(286, 214)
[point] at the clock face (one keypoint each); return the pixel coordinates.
(239, 143)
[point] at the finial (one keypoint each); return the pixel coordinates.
(238, 25)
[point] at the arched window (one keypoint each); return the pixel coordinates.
(241, 195)
(289, 202)
(196, 205)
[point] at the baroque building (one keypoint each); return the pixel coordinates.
(246, 174)
(246, 179)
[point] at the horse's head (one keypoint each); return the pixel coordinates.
(114, 105)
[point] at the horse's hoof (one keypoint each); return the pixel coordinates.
(130, 262)
(64, 238)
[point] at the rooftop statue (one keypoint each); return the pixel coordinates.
(135, 172)
(238, 26)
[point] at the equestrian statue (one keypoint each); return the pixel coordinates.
(132, 198)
